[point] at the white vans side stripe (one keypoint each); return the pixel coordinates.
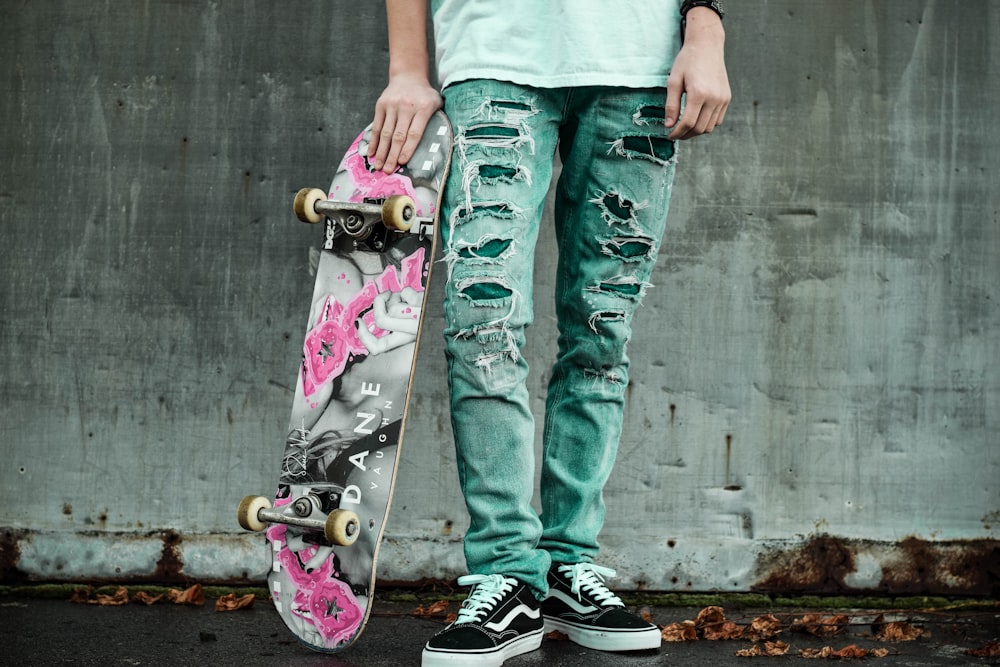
(572, 603)
(501, 625)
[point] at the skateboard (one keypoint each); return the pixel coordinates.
(325, 524)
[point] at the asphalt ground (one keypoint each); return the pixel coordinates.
(39, 630)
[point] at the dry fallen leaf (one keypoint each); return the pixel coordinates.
(724, 631)
(684, 631)
(435, 609)
(825, 652)
(712, 623)
(119, 598)
(851, 652)
(762, 628)
(229, 602)
(896, 631)
(821, 626)
(768, 649)
(710, 616)
(556, 635)
(143, 597)
(989, 650)
(192, 596)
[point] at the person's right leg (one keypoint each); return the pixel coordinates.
(505, 139)
(501, 167)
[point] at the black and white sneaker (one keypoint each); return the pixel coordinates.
(580, 606)
(501, 618)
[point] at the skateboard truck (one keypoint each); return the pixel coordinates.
(358, 219)
(339, 527)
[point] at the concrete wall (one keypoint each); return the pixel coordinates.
(815, 393)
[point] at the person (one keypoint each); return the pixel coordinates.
(602, 83)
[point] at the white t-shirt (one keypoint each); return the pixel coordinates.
(557, 43)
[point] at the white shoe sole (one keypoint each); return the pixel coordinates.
(493, 658)
(607, 640)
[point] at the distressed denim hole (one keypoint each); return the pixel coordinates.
(615, 209)
(658, 148)
(497, 210)
(650, 115)
(493, 132)
(603, 375)
(628, 248)
(605, 316)
(510, 106)
(486, 291)
(617, 206)
(625, 289)
(629, 288)
(490, 250)
(492, 172)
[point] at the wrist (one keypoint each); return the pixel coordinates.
(702, 25)
(410, 68)
(701, 14)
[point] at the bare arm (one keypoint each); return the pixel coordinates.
(409, 99)
(699, 75)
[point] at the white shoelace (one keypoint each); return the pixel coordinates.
(589, 578)
(487, 591)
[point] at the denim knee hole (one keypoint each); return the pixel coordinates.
(603, 375)
(626, 287)
(653, 148)
(616, 209)
(628, 248)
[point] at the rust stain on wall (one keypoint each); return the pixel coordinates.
(818, 566)
(910, 567)
(944, 568)
(170, 567)
(10, 556)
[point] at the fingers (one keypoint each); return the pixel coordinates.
(700, 116)
(384, 147)
(675, 90)
(412, 135)
(396, 137)
(401, 115)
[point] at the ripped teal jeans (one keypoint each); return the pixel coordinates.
(610, 215)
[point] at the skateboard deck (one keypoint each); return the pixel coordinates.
(335, 485)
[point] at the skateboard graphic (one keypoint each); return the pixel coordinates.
(325, 524)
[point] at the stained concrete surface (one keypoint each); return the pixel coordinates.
(814, 373)
(51, 632)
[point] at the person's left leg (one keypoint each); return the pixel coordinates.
(611, 209)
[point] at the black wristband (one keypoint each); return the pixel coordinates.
(714, 5)
(688, 5)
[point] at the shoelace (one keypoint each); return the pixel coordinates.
(589, 578)
(487, 590)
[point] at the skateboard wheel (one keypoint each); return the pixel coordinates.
(342, 528)
(305, 204)
(398, 212)
(246, 513)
